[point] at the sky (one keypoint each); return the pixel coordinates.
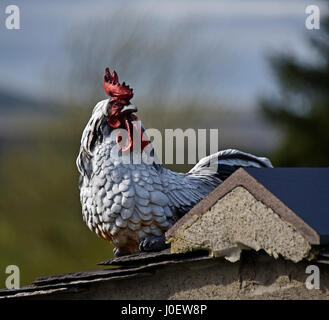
(237, 36)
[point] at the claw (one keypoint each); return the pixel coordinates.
(153, 244)
(118, 253)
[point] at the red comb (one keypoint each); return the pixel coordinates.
(114, 89)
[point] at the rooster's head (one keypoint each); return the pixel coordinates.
(121, 110)
(121, 95)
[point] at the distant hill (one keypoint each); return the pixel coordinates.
(20, 115)
(11, 102)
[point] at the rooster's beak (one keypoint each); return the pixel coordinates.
(129, 109)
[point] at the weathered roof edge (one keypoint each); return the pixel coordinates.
(244, 179)
(147, 266)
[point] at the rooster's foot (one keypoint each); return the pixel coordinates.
(119, 253)
(153, 244)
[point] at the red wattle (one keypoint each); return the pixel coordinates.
(118, 120)
(130, 144)
(114, 122)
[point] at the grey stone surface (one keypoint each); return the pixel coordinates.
(239, 221)
(255, 276)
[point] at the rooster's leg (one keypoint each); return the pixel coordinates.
(153, 244)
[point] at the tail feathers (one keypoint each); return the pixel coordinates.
(225, 162)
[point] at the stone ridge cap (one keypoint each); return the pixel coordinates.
(244, 179)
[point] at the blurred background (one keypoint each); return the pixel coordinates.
(248, 68)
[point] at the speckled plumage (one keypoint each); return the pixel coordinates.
(126, 203)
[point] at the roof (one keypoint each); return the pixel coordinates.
(137, 266)
(130, 266)
(298, 195)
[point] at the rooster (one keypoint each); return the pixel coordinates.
(132, 204)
